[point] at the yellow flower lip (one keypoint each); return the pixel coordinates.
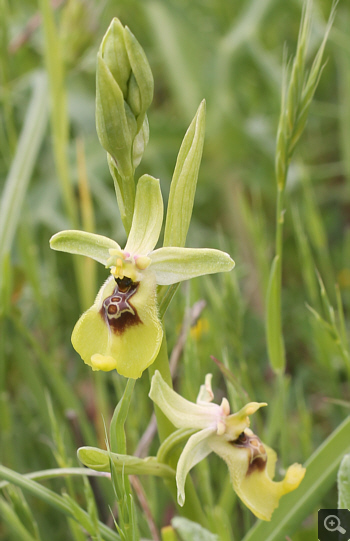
(125, 333)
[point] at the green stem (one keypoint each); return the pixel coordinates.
(165, 295)
(165, 427)
(282, 383)
(117, 431)
(173, 441)
(192, 508)
(58, 472)
(281, 374)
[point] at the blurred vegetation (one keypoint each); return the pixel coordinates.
(55, 176)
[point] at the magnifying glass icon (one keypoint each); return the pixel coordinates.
(332, 524)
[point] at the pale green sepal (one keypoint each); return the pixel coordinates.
(172, 265)
(148, 217)
(140, 143)
(184, 181)
(114, 53)
(82, 243)
(112, 124)
(191, 531)
(143, 75)
(195, 450)
(344, 483)
(98, 459)
(181, 412)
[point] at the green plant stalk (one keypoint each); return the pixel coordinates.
(279, 253)
(279, 367)
(165, 427)
(192, 508)
(118, 445)
(52, 499)
(58, 472)
(321, 472)
(165, 295)
(125, 192)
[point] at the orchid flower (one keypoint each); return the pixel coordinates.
(250, 462)
(122, 329)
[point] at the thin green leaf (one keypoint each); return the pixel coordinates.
(116, 429)
(344, 483)
(275, 344)
(184, 182)
(23, 163)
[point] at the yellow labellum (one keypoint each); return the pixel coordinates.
(121, 330)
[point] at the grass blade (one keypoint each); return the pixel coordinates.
(23, 163)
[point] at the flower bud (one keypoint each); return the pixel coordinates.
(124, 93)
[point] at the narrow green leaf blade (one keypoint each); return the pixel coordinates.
(274, 337)
(116, 429)
(16, 184)
(184, 182)
(344, 483)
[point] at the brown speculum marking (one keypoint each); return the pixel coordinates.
(257, 454)
(117, 310)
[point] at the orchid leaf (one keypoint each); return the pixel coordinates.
(184, 182)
